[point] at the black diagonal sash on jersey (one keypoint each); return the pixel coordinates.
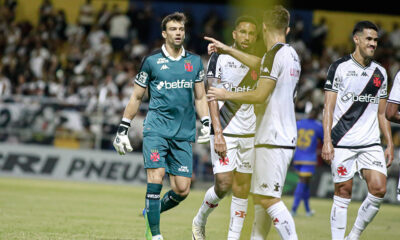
(229, 109)
(347, 121)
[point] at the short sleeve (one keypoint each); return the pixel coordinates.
(200, 75)
(394, 96)
(270, 66)
(142, 78)
(214, 68)
(333, 78)
(383, 88)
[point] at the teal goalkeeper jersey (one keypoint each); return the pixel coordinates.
(171, 88)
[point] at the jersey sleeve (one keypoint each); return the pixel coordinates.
(333, 78)
(383, 89)
(270, 66)
(214, 68)
(143, 77)
(394, 96)
(200, 75)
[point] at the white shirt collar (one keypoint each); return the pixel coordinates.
(164, 49)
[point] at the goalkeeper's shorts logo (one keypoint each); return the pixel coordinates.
(155, 156)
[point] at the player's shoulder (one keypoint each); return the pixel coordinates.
(379, 66)
(342, 60)
(155, 55)
(193, 57)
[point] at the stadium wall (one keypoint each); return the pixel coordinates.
(35, 161)
(29, 9)
(341, 24)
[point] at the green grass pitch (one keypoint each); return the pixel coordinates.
(41, 209)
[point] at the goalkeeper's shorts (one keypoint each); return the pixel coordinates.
(175, 156)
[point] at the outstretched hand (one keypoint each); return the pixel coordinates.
(215, 46)
(216, 94)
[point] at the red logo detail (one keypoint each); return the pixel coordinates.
(224, 161)
(253, 75)
(377, 82)
(240, 214)
(210, 205)
(341, 171)
(188, 67)
(155, 156)
(275, 221)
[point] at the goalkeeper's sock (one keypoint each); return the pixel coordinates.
(261, 224)
(153, 207)
(210, 202)
(170, 200)
(238, 213)
(283, 221)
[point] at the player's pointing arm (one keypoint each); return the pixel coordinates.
(219, 47)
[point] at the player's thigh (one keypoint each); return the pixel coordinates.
(179, 159)
(372, 158)
(227, 164)
(269, 172)
(344, 165)
(245, 155)
(154, 152)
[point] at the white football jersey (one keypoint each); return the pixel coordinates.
(359, 89)
(236, 119)
(276, 120)
(394, 96)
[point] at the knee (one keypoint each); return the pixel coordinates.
(267, 202)
(182, 191)
(343, 191)
(222, 186)
(378, 191)
(241, 189)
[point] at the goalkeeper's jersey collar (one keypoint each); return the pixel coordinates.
(165, 52)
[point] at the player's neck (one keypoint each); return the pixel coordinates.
(173, 51)
(274, 39)
(363, 61)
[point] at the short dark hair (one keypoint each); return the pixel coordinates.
(278, 18)
(360, 26)
(176, 16)
(246, 18)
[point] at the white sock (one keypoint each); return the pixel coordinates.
(339, 217)
(210, 202)
(366, 213)
(398, 190)
(283, 221)
(157, 237)
(261, 224)
(238, 213)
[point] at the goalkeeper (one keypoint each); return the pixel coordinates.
(174, 78)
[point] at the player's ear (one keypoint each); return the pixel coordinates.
(287, 30)
(356, 39)
(164, 34)
(264, 28)
(234, 34)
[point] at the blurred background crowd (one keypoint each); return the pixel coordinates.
(66, 83)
